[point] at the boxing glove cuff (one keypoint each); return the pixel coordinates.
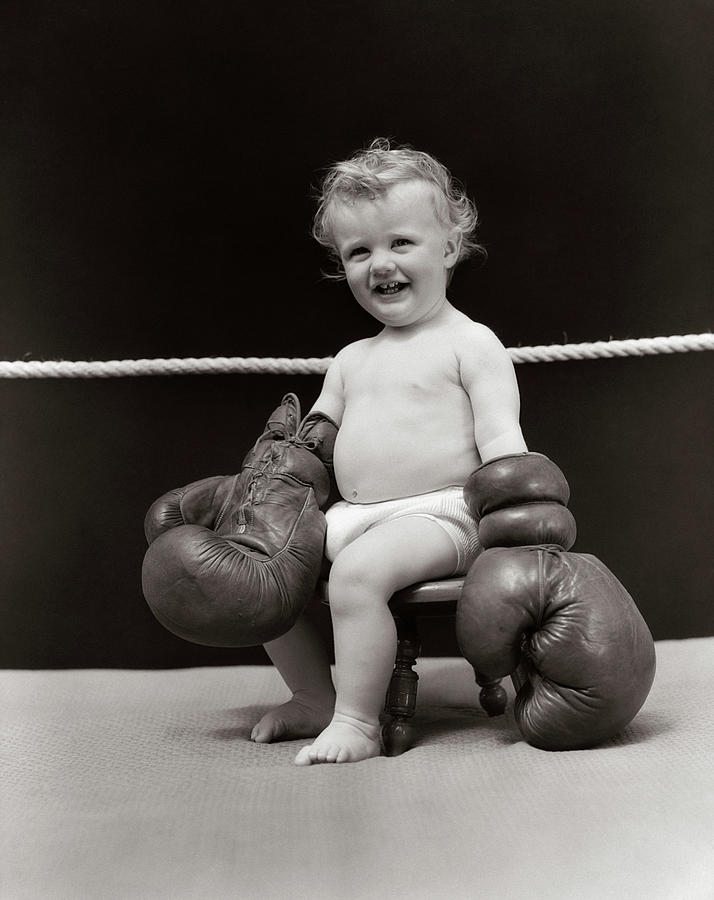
(520, 500)
(318, 432)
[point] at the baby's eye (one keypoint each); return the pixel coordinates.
(401, 242)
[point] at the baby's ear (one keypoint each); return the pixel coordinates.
(452, 248)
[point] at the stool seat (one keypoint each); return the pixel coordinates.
(428, 598)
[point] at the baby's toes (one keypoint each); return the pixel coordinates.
(343, 755)
(330, 753)
(261, 733)
(304, 757)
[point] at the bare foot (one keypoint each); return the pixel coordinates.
(298, 718)
(344, 740)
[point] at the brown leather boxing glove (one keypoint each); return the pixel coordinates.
(233, 560)
(559, 622)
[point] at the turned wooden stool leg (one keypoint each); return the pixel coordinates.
(400, 704)
(492, 696)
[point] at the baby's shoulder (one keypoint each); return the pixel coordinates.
(469, 336)
(479, 352)
(353, 354)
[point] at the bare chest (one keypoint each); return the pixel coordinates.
(419, 372)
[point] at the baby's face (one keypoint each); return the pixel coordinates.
(395, 252)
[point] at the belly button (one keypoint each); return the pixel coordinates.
(354, 493)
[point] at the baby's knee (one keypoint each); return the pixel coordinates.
(353, 583)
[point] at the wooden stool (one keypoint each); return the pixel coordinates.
(431, 598)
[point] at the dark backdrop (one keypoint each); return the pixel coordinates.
(157, 167)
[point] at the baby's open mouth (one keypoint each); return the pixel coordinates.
(390, 287)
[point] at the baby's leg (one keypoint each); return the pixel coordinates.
(362, 580)
(301, 658)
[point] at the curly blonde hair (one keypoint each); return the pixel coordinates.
(370, 173)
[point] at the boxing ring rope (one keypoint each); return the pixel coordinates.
(253, 365)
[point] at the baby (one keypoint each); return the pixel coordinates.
(420, 405)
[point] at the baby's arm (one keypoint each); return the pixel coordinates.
(489, 379)
(331, 401)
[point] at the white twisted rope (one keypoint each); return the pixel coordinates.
(207, 365)
(253, 365)
(676, 343)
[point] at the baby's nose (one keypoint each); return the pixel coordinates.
(382, 264)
